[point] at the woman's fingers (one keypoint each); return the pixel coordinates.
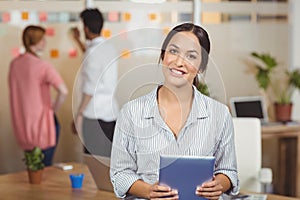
(162, 192)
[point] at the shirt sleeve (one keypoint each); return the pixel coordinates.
(90, 74)
(225, 155)
(52, 76)
(123, 165)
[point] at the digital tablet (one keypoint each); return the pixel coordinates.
(185, 173)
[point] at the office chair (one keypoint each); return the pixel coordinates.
(248, 152)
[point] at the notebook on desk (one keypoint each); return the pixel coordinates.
(99, 167)
(251, 106)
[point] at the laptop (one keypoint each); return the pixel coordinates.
(99, 167)
(250, 106)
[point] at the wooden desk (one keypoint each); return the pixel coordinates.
(56, 185)
(288, 173)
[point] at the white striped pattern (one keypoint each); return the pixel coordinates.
(141, 136)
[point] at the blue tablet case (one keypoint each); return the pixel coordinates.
(185, 174)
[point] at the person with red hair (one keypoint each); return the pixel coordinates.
(33, 111)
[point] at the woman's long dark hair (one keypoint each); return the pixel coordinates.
(203, 39)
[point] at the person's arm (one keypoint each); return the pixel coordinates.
(226, 165)
(84, 102)
(76, 36)
(123, 164)
(224, 181)
(89, 74)
(77, 123)
(62, 93)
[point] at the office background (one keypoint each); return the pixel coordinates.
(236, 29)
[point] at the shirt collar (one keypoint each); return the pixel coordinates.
(198, 111)
(151, 104)
(199, 106)
(94, 41)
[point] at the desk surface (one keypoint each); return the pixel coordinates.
(280, 128)
(56, 185)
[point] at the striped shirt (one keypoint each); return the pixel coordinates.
(141, 136)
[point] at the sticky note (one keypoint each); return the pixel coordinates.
(50, 31)
(53, 17)
(73, 53)
(125, 53)
(5, 17)
(113, 16)
(43, 16)
(25, 15)
(152, 16)
(106, 33)
(64, 17)
(211, 17)
(166, 30)
(15, 52)
(54, 53)
(126, 17)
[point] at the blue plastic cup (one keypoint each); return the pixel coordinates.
(76, 180)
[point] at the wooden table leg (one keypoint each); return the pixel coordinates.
(298, 168)
(287, 166)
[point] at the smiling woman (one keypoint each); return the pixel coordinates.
(174, 119)
(182, 59)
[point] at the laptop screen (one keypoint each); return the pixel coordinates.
(249, 109)
(249, 106)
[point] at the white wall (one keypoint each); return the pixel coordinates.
(227, 71)
(231, 48)
(295, 50)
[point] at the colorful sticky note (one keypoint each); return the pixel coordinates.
(64, 17)
(125, 53)
(54, 53)
(43, 16)
(15, 52)
(53, 17)
(152, 16)
(113, 16)
(50, 31)
(166, 30)
(126, 17)
(72, 53)
(25, 15)
(211, 17)
(106, 33)
(5, 17)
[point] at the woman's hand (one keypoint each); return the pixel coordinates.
(210, 190)
(157, 192)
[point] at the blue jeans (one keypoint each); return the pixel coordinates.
(49, 153)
